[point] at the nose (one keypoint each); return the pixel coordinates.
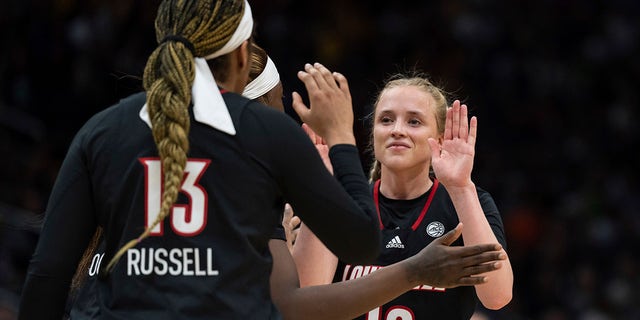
(398, 129)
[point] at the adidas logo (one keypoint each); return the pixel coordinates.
(395, 243)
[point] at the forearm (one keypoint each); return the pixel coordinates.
(497, 292)
(315, 263)
(347, 300)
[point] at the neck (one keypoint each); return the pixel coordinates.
(229, 85)
(404, 185)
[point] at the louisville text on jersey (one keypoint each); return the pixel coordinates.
(353, 272)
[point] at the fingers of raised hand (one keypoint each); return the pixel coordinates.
(295, 223)
(326, 76)
(455, 126)
(464, 123)
(473, 131)
(316, 72)
(307, 78)
(315, 138)
(309, 132)
(299, 107)
(288, 212)
(448, 124)
(343, 83)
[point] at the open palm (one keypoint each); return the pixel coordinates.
(452, 160)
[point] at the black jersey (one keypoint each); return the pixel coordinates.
(407, 227)
(209, 258)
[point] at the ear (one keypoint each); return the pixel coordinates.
(243, 55)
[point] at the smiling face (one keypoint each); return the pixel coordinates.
(405, 117)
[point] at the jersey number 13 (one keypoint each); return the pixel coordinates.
(186, 219)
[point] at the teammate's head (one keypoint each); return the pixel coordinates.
(411, 106)
(264, 80)
(216, 30)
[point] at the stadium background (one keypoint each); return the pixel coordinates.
(553, 83)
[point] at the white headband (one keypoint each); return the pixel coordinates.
(265, 81)
(208, 105)
(242, 33)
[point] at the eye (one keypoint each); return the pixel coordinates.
(385, 120)
(414, 122)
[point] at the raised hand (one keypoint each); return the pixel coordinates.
(291, 224)
(330, 113)
(321, 146)
(440, 265)
(452, 161)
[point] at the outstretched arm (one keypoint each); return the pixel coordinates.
(452, 163)
(436, 264)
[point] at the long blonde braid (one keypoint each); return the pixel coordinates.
(168, 77)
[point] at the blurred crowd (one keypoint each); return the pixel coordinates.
(553, 84)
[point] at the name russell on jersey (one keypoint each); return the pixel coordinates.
(175, 262)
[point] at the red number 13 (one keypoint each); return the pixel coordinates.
(186, 219)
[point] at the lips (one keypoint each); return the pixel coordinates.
(397, 145)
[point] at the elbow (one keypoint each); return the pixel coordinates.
(498, 301)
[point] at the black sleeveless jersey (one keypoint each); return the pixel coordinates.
(209, 259)
(407, 227)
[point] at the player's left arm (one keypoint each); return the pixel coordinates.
(452, 162)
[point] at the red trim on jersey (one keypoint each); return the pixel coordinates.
(426, 205)
(376, 197)
(223, 91)
(376, 191)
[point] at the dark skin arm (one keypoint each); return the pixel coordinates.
(437, 264)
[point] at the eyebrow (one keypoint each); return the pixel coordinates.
(412, 113)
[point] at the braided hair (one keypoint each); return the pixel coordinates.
(184, 30)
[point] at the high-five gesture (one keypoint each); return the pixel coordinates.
(452, 160)
(330, 114)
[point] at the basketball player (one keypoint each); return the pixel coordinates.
(413, 131)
